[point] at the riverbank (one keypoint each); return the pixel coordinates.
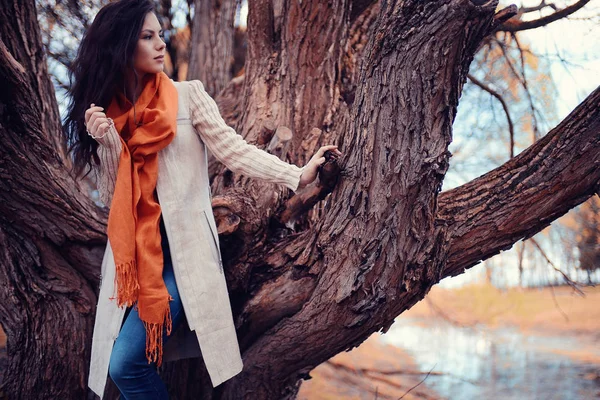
(550, 312)
(374, 370)
(540, 311)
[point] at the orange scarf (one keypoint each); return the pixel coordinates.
(133, 220)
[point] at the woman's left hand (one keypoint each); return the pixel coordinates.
(312, 168)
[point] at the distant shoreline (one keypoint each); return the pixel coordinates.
(549, 310)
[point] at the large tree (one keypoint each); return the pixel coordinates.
(313, 274)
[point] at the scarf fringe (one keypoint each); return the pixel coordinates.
(154, 336)
(126, 283)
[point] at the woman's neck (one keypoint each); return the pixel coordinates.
(133, 91)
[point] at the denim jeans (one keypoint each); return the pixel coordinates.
(129, 369)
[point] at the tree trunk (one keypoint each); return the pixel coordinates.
(380, 80)
(374, 253)
(51, 233)
(211, 58)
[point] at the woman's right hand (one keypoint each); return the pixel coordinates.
(96, 122)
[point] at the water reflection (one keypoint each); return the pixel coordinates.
(478, 363)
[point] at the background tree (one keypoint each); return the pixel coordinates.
(383, 81)
(589, 238)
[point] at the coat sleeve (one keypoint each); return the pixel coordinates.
(105, 174)
(231, 149)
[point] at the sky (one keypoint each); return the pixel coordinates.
(577, 41)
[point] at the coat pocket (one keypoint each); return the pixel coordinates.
(215, 236)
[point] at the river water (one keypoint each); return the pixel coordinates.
(483, 363)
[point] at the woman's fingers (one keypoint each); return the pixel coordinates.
(332, 147)
(323, 149)
(319, 156)
(95, 115)
(103, 127)
(90, 111)
(97, 121)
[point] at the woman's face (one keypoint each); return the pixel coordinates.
(149, 54)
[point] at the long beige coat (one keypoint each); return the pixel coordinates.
(184, 194)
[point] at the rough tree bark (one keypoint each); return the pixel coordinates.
(211, 55)
(51, 233)
(382, 81)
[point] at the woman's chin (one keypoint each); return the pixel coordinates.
(154, 70)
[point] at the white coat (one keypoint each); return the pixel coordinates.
(184, 195)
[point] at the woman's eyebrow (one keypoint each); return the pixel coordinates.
(151, 31)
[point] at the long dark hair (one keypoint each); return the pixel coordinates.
(104, 57)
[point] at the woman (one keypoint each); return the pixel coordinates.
(148, 136)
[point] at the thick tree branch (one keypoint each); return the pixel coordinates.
(52, 236)
(19, 56)
(523, 196)
(504, 15)
(515, 26)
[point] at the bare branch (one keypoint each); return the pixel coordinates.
(365, 377)
(422, 380)
(521, 78)
(515, 26)
(557, 305)
(568, 280)
(539, 7)
(497, 95)
(525, 86)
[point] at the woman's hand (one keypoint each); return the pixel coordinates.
(96, 122)
(312, 168)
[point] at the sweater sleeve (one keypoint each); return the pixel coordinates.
(231, 149)
(105, 174)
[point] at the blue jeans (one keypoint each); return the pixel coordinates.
(129, 369)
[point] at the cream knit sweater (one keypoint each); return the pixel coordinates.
(221, 140)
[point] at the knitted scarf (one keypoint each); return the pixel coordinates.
(133, 220)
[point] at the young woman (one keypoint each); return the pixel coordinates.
(145, 137)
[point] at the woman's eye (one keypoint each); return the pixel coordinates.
(148, 37)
